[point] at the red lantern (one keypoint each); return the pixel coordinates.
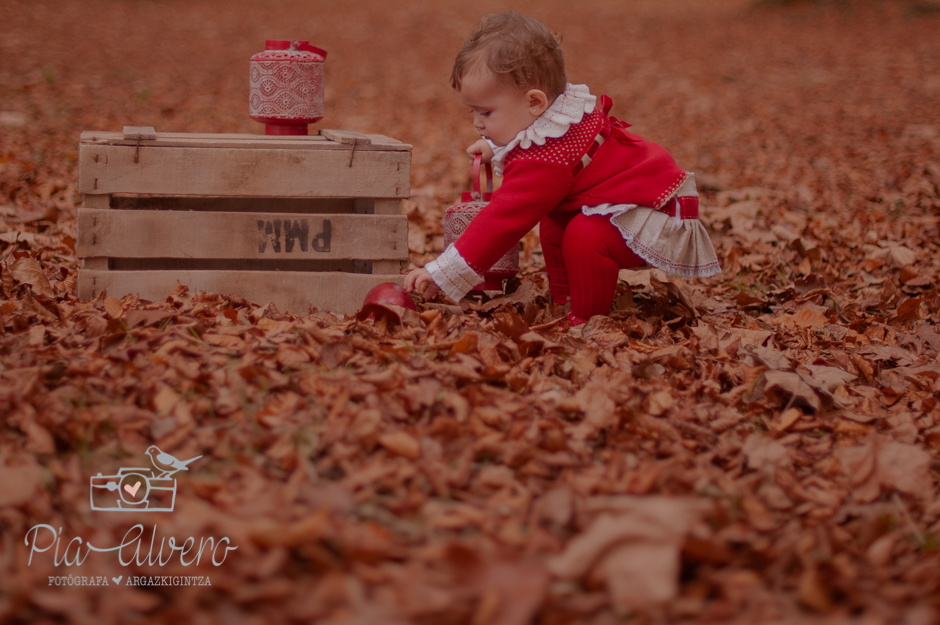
(286, 86)
(459, 216)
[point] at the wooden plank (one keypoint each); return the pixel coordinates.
(236, 204)
(364, 206)
(120, 233)
(289, 290)
(347, 137)
(243, 264)
(242, 141)
(387, 266)
(248, 172)
(137, 133)
(98, 136)
(384, 141)
(387, 207)
(95, 263)
(93, 200)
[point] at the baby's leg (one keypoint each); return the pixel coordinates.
(594, 251)
(551, 233)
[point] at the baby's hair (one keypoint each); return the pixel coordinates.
(520, 51)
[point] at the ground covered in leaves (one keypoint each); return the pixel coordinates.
(761, 446)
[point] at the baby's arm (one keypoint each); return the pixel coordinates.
(419, 280)
(481, 147)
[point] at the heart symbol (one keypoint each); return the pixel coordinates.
(132, 491)
(117, 580)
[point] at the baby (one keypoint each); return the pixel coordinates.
(604, 198)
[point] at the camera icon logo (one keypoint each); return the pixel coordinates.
(140, 488)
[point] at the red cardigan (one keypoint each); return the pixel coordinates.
(543, 179)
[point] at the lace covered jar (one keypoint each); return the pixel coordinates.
(286, 86)
(458, 216)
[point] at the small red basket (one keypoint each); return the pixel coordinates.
(458, 216)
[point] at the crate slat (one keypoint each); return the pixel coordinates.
(120, 233)
(246, 141)
(337, 292)
(245, 264)
(139, 133)
(235, 204)
(247, 172)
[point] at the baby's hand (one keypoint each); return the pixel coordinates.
(481, 147)
(419, 281)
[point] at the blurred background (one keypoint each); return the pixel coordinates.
(744, 92)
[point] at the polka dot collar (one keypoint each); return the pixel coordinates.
(568, 109)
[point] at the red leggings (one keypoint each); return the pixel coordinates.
(582, 256)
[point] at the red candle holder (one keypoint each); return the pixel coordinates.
(286, 86)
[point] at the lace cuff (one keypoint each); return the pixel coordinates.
(452, 273)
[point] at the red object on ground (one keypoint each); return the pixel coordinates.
(458, 216)
(286, 86)
(378, 300)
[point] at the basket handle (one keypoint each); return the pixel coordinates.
(477, 161)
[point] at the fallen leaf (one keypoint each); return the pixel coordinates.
(660, 402)
(806, 318)
(624, 536)
(763, 452)
(113, 307)
(28, 271)
(401, 443)
(791, 389)
(882, 464)
(19, 485)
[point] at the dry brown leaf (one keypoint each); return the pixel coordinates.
(113, 307)
(641, 576)
(165, 400)
(225, 341)
(813, 591)
(791, 389)
(511, 592)
(623, 519)
(830, 377)
(658, 403)
(619, 541)
(401, 443)
(28, 271)
(883, 464)
(291, 356)
(806, 318)
(20, 484)
(787, 418)
(896, 255)
(764, 453)
(868, 372)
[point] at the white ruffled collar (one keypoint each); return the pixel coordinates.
(568, 109)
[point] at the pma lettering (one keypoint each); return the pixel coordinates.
(296, 232)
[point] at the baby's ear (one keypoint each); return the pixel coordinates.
(537, 101)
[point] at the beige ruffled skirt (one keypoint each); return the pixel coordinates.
(679, 247)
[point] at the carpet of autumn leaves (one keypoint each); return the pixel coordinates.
(757, 447)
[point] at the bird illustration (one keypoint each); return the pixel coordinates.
(166, 463)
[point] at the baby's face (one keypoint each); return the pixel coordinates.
(499, 111)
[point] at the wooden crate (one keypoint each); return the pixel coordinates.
(297, 220)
